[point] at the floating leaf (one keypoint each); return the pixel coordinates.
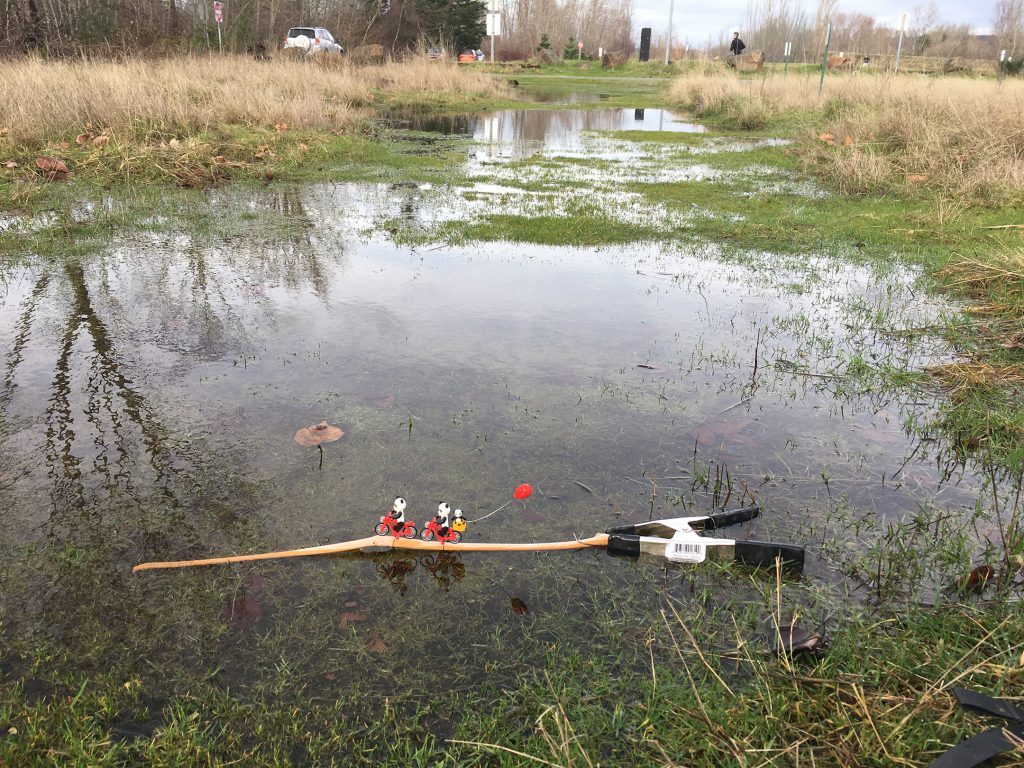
(348, 618)
(384, 402)
(317, 434)
(376, 645)
(52, 168)
(242, 613)
(51, 165)
(518, 606)
(530, 516)
(791, 638)
(978, 579)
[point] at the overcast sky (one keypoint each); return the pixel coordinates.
(697, 21)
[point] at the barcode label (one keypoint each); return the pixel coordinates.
(685, 552)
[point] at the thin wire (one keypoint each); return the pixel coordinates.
(491, 513)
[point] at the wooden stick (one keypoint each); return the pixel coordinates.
(386, 542)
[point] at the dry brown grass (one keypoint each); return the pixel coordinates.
(42, 101)
(958, 136)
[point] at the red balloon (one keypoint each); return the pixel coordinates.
(523, 491)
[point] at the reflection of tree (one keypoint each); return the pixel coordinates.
(112, 404)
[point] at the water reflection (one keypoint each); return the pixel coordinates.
(526, 131)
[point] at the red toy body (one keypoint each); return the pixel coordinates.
(433, 531)
(388, 526)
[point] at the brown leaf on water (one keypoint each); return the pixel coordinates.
(518, 606)
(318, 433)
(51, 165)
(385, 401)
(242, 612)
(978, 579)
(790, 638)
(376, 645)
(100, 141)
(52, 168)
(348, 618)
(529, 515)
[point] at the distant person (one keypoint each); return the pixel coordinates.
(736, 46)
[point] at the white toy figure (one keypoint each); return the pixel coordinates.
(459, 522)
(394, 522)
(398, 513)
(443, 513)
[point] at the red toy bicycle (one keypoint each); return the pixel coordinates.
(395, 524)
(440, 529)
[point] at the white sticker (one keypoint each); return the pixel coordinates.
(685, 551)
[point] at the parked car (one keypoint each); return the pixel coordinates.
(312, 40)
(435, 53)
(467, 56)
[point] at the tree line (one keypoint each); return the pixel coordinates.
(770, 24)
(110, 27)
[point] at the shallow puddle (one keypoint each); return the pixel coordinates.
(150, 394)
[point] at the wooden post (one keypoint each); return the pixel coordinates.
(824, 60)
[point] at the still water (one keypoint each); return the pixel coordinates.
(150, 392)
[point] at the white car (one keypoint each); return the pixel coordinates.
(312, 40)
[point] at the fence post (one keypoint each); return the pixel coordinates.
(899, 46)
(824, 61)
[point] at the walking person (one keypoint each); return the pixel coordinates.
(736, 46)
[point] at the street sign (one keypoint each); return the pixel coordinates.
(494, 24)
(218, 11)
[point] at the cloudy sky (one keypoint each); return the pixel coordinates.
(698, 21)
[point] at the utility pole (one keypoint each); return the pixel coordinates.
(668, 43)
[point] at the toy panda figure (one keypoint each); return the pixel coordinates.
(443, 514)
(459, 522)
(397, 513)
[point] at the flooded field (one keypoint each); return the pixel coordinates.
(151, 390)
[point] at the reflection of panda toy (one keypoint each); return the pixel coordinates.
(459, 523)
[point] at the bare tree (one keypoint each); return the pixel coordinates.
(1008, 27)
